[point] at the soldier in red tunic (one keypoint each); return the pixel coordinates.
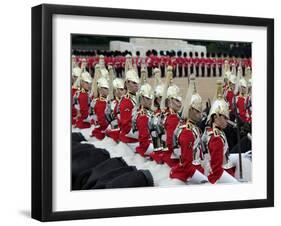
(83, 101)
(98, 106)
(241, 102)
(180, 63)
(186, 63)
(221, 169)
(148, 62)
(137, 62)
(188, 138)
(117, 64)
(112, 114)
(76, 72)
(249, 100)
(142, 121)
(170, 122)
(231, 92)
(126, 106)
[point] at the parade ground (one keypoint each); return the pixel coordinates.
(206, 87)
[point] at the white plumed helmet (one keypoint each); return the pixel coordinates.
(146, 91)
(131, 75)
(243, 83)
(102, 82)
(219, 106)
(86, 77)
(118, 83)
(192, 99)
(232, 78)
(156, 70)
(250, 83)
(159, 90)
(173, 92)
(76, 72)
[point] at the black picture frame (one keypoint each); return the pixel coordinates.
(42, 107)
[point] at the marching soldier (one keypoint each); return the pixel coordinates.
(137, 62)
(98, 106)
(221, 169)
(112, 114)
(180, 63)
(82, 101)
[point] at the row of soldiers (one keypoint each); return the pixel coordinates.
(183, 66)
(157, 123)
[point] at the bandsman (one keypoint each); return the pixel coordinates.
(112, 115)
(221, 169)
(82, 101)
(98, 106)
(188, 138)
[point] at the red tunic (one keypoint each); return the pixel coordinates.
(155, 61)
(117, 62)
(126, 107)
(83, 101)
(170, 124)
(216, 146)
(185, 169)
(187, 61)
(144, 133)
(148, 61)
(241, 107)
(100, 122)
(220, 61)
(195, 61)
(229, 98)
(174, 62)
(137, 61)
(180, 61)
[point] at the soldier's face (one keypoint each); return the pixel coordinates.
(195, 115)
(119, 92)
(175, 104)
(85, 85)
(133, 87)
(221, 121)
(146, 102)
(243, 90)
(104, 91)
(232, 86)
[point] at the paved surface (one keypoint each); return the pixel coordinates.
(206, 87)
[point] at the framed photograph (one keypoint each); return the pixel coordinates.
(145, 112)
